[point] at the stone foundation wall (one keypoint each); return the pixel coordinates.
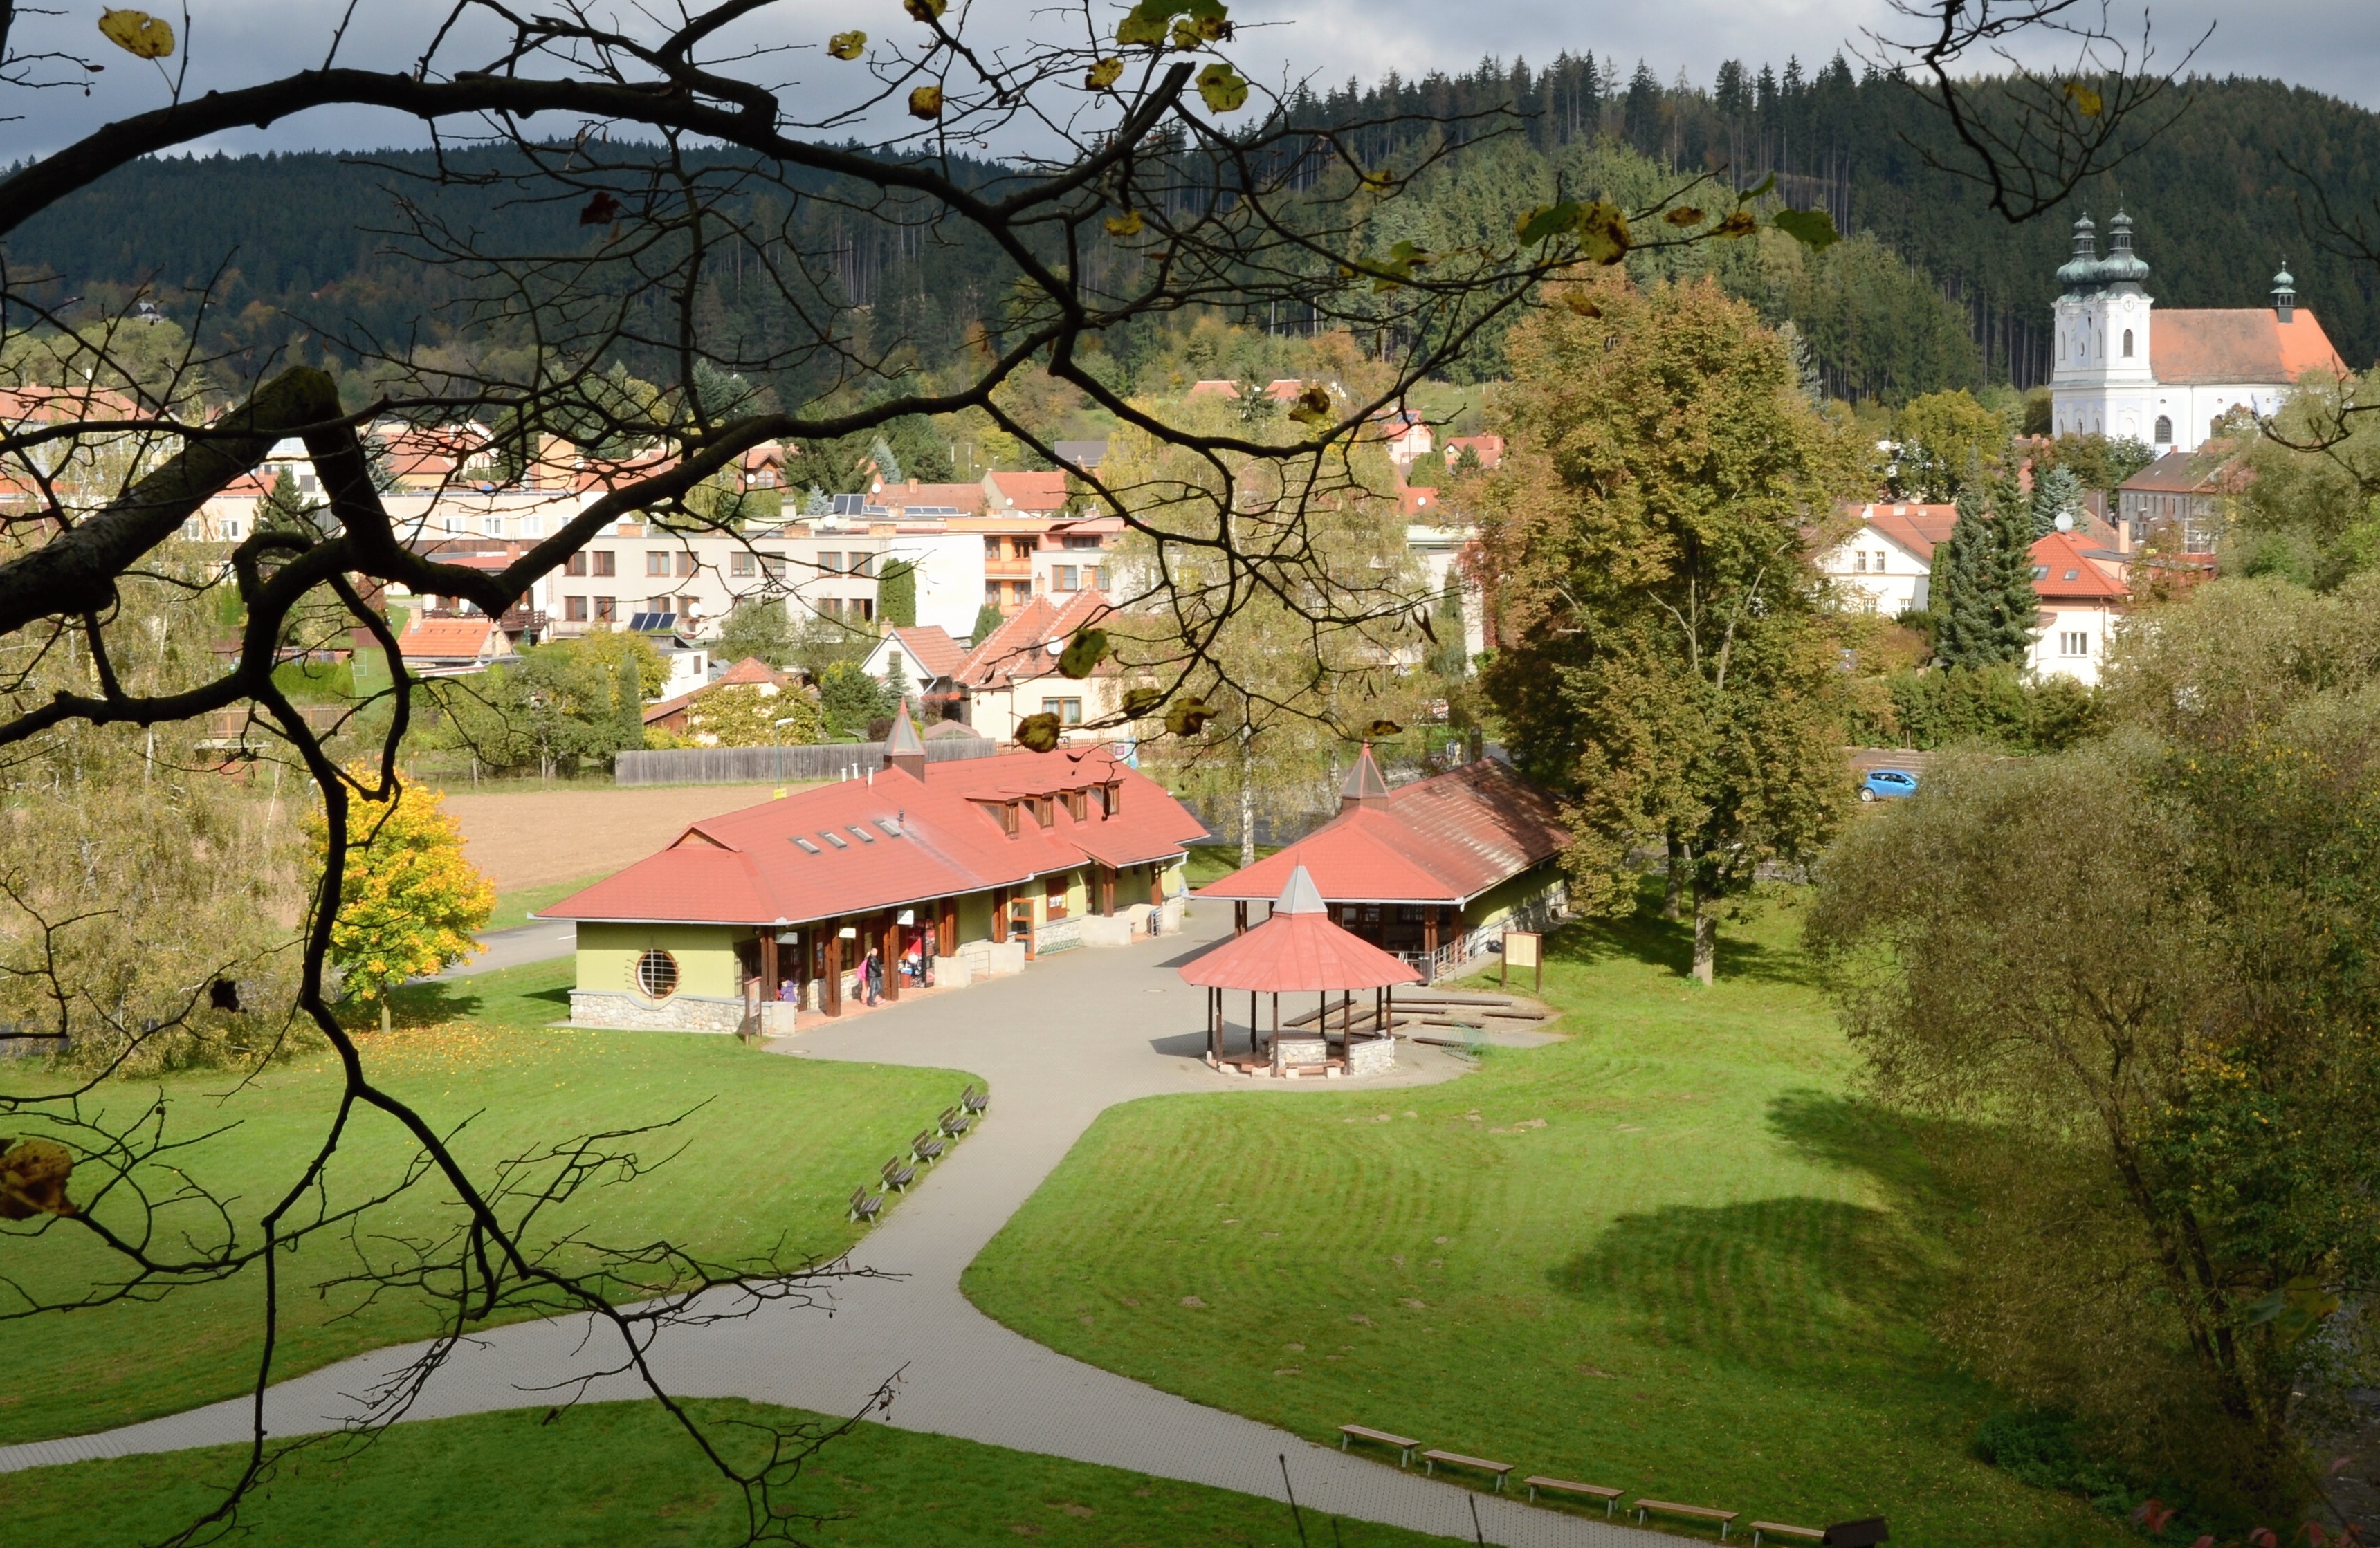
(1116, 929)
(1371, 1055)
(1058, 935)
(1289, 1049)
(606, 1008)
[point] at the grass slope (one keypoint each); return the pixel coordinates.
(767, 1152)
(514, 908)
(620, 1475)
(1673, 1255)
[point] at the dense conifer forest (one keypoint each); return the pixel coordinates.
(1933, 290)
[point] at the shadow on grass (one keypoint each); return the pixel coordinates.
(1645, 937)
(435, 1003)
(1778, 1285)
(1902, 1152)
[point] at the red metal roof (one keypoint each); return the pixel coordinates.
(889, 840)
(1298, 950)
(1444, 839)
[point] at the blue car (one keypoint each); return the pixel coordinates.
(1883, 784)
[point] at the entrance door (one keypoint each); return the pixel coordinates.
(1020, 924)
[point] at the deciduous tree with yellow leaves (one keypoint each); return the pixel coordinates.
(409, 899)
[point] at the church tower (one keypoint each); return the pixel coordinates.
(2101, 382)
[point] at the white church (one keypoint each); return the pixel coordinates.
(2125, 370)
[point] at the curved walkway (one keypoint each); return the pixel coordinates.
(1058, 1044)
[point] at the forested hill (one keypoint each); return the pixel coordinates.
(304, 238)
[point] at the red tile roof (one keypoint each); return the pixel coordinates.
(2064, 571)
(445, 639)
(1444, 839)
(968, 499)
(1297, 950)
(1019, 648)
(1032, 492)
(2247, 345)
(890, 841)
(1915, 528)
(930, 646)
(749, 672)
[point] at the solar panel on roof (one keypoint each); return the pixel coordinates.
(837, 839)
(651, 622)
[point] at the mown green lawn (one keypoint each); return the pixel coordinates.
(620, 1475)
(760, 1157)
(1676, 1254)
(514, 908)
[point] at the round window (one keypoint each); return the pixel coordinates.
(657, 975)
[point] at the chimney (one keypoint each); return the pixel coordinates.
(904, 748)
(1363, 787)
(2124, 535)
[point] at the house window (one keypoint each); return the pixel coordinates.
(1079, 805)
(1095, 577)
(607, 609)
(1069, 711)
(1062, 578)
(773, 565)
(575, 609)
(657, 561)
(1859, 562)
(657, 604)
(686, 562)
(831, 564)
(2074, 642)
(2128, 343)
(1054, 903)
(863, 565)
(575, 565)
(1045, 810)
(686, 608)
(605, 563)
(2040, 573)
(2165, 429)
(1111, 799)
(657, 975)
(742, 564)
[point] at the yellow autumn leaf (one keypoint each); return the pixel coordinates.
(137, 33)
(925, 10)
(926, 101)
(2086, 101)
(1684, 214)
(1222, 88)
(1104, 74)
(846, 45)
(1126, 225)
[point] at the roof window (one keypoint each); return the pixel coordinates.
(891, 828)
(862, 834)
(807, 847)
(2073, 574)
(831, 837)
(2041, 572)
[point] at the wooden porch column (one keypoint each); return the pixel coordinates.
(891, 955)
(1239, 917)
(768, 962)
(1156, 886)
(831, 1001)
(946, 942)
(1107, 878)
(1000, 914)
(1429, 928)
(1214, 1025)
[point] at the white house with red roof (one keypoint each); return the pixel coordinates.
(449, 647)
(1434, 871)
(921, 663)
(2125, 370)
(1013, 672)
(1887, 564)
(2084, 590)
(973, 863)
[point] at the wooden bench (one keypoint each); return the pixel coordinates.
(1609, 1498)
(954, 1122)
(1430, 1461)
(864, 1204)
(925, 1147)
(1698, 1512)
(1778, 1528)
(898, 1176)
(975, 1101)
(1404, 1443)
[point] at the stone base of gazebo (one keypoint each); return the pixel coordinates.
(1293, 1056)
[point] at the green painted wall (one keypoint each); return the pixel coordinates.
(1499, 901)
(975, 916)
(705, 953)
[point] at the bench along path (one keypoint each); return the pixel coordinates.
(1067, 1038)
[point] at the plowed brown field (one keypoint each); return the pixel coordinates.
(536, 837)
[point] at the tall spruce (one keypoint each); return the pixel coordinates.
(2016, 603)
(2057, 492)
(1987, 596)
(628, 708)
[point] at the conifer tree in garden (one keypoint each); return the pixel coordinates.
(2057, 492)
(1988, 599)
(628, 706)
(2015, 600)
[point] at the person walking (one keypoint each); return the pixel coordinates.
(871, 978)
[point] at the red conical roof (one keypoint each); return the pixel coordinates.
(1298, 950)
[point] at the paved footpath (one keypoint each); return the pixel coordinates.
(1071, 1036)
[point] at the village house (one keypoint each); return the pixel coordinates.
(1887, 564)
(975, 865)
(669, 714)
(2084, 590)
(1434, 871)
(1013, 672)
(2184, 492)
(921, 663)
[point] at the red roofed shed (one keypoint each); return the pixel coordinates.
(1298, 950)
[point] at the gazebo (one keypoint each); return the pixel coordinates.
(1299, 951)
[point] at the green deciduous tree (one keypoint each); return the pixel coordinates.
(757, 628)
(896, 594)
(1947, 440)
(849, 699)
(1667, 660)
(754, 715)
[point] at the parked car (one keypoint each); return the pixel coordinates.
(1883, 784)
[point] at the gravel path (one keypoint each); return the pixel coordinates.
(1069, 1038)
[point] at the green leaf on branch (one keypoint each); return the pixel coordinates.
(1544, 223)
(1084, 653)
(1142, 701)
(846, 45)
(1764, 186)
(1037, 733)
(926, 101)
(1814, 229)
(1129, 224)
(1151, 24)
(925, 10)
(1312, 406)
(1188, 717)
(1222, 88)
(136, 33)
(1602, 232)
(1104, 74)
(2086, 101)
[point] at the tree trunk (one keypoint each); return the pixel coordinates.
(1247, 794)
(1673, 893)
(383, 1014)
(1705, 935)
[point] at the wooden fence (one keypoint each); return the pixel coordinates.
(760, 766)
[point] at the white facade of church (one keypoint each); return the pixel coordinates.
(2107, 379)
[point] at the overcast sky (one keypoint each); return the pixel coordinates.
(2332, 45)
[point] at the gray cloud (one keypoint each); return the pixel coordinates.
(2330, 45)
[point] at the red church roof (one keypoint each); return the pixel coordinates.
(889, 840)
(2241, 345)
(1444, 839)
(1298, 950)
